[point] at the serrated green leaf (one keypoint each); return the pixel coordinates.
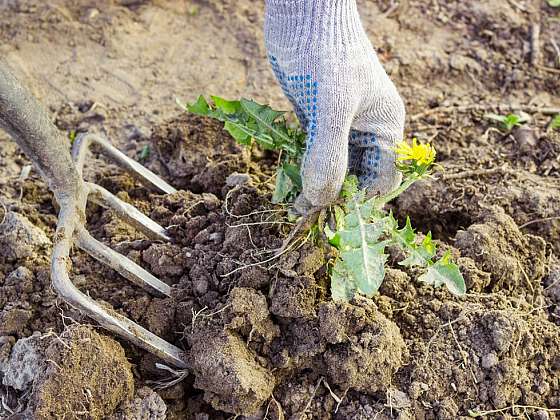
(200, 107)
(361, 250)
(407, 233)
(445, 272)
(413, 259)
(349, 187)
(366, 267)
(418, 255)
(428, 246)
(342, 289)
(265, 118)
(238, 132)
(263, 114)
(555, 123)
(283, 186)
(293, 172)
(247, 121)
(227, 107)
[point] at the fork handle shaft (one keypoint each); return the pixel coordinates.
(27, 122)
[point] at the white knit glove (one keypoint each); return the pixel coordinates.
(350, 109)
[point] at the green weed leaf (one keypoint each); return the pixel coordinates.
(239, 132)
(418, 255)
(341, 288)
(283, 186)
(445, 272)
(508, 122)
(247, 122)
(555, 123)
(200, 107)
(144, 153)
(362, 254)
(553, 3)
(350, 187)
(227, 107)
(292, 171)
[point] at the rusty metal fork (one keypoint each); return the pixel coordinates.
(27, 122)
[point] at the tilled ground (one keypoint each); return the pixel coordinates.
(262, 336)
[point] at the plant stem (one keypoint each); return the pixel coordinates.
(407, 182)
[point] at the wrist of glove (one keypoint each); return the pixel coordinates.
(350, 109)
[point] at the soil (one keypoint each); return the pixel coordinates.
(263, 338)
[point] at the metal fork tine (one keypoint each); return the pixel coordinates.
(107, 318)
(81, 146)
(124, 266)
(127, 212)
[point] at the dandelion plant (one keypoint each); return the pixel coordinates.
(363, 227)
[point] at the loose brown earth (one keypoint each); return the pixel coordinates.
(265, 339)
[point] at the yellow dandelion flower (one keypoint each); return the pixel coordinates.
(422, 154)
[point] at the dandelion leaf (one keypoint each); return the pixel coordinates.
(362, 254)
(200, 107)
(342, 289)
(283, 186)
(445, 272)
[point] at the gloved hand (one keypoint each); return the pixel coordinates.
(350, 109)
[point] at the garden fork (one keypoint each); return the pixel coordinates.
(27, 122)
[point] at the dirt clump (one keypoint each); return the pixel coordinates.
(13, 321)
(498, 246)
(247, 312)
(89, 370)
(227, 371)
(295, 293)
(365, 348)
(552, 289)
(294, 297)
(502, 361)
(19, 238)
(145, 405)
(197, 153)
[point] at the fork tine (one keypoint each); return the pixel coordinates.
(81, 146)
(123, 265)
(127, 212)
(107, 318)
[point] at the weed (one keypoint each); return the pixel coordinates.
(194, 10)
(555, 123)
(508, 122)
(144, 153)
(249, 122)
(362, 228)
(72, 136)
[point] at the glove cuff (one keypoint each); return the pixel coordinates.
(299, 24)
